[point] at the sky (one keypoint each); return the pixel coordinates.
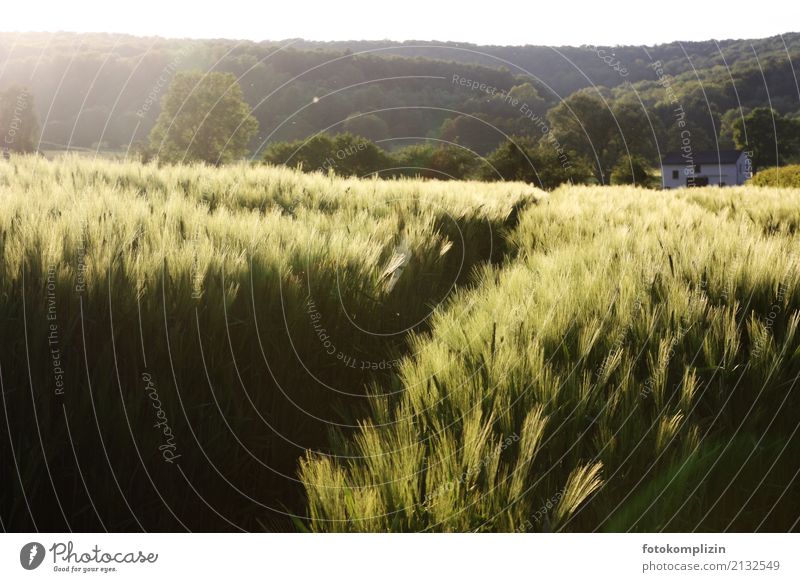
(505, 22)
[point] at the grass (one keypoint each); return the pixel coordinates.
(640, 340)
(393, 355)
(258, 302)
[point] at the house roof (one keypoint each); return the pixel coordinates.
(706, 157)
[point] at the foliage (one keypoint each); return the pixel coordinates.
(478, 133)
(520, 159)
(452, 163)
(349, 155)
(542, 164)
(112, 86)
(772, 138)
(632, 170)
(442, 162)
(204, 118)
(370, 127)
(344, 154)
(783, 177)
(415, 159)
(600, 131)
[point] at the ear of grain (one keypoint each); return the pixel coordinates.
(581, 483)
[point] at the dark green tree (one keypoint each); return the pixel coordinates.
(414, 159)
(542, 165)
(632, 170)
(727, 121)
(477, 133)
(453, 162)
(601, 133)
(635, 132)
(311, 155)
(772, 138)
(19, 126)
(370, 127)
(443, 162)
(527, 95)
(205, 118)
(355, 156)
(344, 154)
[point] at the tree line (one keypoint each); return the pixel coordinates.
(113, 87)
(582, 139)
(586, 138)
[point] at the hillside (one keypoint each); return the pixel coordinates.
(566, 69)
(103, 91)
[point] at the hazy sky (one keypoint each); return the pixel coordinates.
(548, 22)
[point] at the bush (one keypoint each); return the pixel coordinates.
(521, 160)
(445, 162)
(344, 154)
(543, 165)
(631, 170)
(784, 177)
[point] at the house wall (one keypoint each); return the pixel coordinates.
(744, 168)
(668, 181)
(729, 174)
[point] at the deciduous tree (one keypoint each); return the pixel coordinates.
(204, 117)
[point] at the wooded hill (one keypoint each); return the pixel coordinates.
(103, 90)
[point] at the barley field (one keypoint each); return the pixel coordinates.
(251, 348)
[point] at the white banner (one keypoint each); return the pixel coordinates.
(402, 557)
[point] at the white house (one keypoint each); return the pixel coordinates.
(712, 168)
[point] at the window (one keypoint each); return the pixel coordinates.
(674, 174)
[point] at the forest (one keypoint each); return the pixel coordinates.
(103, 92)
